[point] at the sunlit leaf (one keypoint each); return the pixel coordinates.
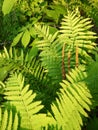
(7, 6)
(16, 39)
(26, 38)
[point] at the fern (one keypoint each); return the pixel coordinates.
(50, 52)
(77, 38)
(7, 64)
(75, 32)
(14, 59)
(58, 57)
(31, 68)
(8, 120)
(22, 98)
(73, 101)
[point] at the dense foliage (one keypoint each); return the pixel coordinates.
(48, 65)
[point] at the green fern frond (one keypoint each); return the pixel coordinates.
(73, 101)
(30, 67)
(8, 120)
(43, 32)
(7, 63)
(22, 98)
(18, 60)
(51, 52)
(75, 31)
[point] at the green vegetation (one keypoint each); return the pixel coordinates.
(48, 65)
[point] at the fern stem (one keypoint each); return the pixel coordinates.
(77, 57)
(63, 64)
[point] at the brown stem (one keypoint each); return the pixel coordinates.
(63, 64)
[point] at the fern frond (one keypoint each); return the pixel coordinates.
(22, 98)
(8, 120)
(73, 101)
(51, 52)
(7, 64)
(43, 32)
(75, 31)
(30, 67)
(26, 63)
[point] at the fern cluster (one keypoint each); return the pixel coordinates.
(47, 84)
